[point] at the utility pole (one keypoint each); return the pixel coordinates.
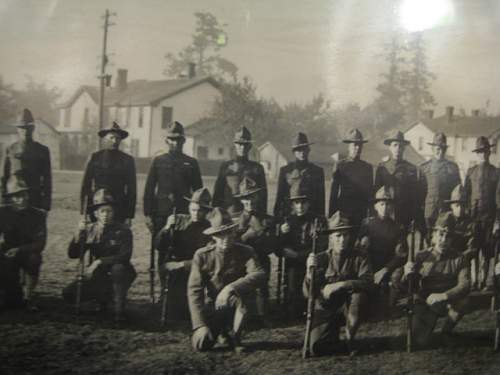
(103, 77)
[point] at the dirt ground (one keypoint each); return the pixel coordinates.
(56, 341)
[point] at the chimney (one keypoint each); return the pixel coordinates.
(429, 114)
(475, 113)
(192, 70)
(121, 80)
(449, 113)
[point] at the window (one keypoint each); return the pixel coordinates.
(141, 117)
(127, 121)
(202, 152)
(86, 116)
(420, 143)
(220, 151)
(134, 147)
(166, 116)
(67, 117)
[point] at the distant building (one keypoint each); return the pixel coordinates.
(461, 132)
(143, 108)
(44, 133)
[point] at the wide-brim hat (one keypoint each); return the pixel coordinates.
(337, 222)
(243, 136)
(15, 185)
(396, 136)
(482, 144)
(299, 190)
(220, 222)
(458, 195)
(385, 193)
(175, 130)
(247, 187)
(202, 197)
(114, 128)
(354, 136)
(25, 120)
(439, 140)
(300, 141)
(102, 197)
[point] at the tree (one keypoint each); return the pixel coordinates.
(7, 103)
(207, 41)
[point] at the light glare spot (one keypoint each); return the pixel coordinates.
(420, 15)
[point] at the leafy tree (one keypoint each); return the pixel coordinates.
(207, 41)
(7, 103)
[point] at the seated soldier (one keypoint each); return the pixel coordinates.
(227, 273)
(343, 280)
(383, 240)
(296, 242)
(257, 230)
(176, 244)
(110, 244)
(443, 276)
(24, 233)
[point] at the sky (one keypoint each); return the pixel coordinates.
(292, 49)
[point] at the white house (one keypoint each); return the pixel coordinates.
(461, 132)
(144, 108)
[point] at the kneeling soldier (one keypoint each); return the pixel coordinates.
(343, 280)
(228, 273)
(110, 245)
(176, 244)
(257, 230)
(24, 232)
(443, 276)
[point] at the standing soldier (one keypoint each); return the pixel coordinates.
(402, 176)
(172, 176)
(438, 177)
(29, 160)
(227, 273)
(481, 183)
(231, 173)
(296, 242)
(113, 170)
(257, 230)
(24, 234)
(110, 244)
(352, 182)
(176, 244)
(312, 175)
(343, 280)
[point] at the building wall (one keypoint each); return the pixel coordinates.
(210, 150)
(46, 136)
(188, 106)
(419, 135)
(271, 160)
(74, 120)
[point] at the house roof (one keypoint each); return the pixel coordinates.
(464, 126)
(320, 153)
(141, 92)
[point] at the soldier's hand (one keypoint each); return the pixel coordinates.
(436, 298)
(173, 266)
(202, 333)
(285, 228)
(330, 289)
(410, 268)
(170, 222)
(149, 224)
(311, 263)
(289, 253)
(82, 225)
(497, 269)
(380, 275)
(11, 253)
(222, 299)
(90, 269)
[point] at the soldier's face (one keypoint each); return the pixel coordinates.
(439, 152)
(224, 240)
(112, 141)
(104, 215)
(20, 201)
(457, 209)
(300, 206)
(354, 150)
(175, 144)
(483, 156)
(301, 154)
(25, 133)
(397, 150)
(196, 212)
(242, 149)
(441, 240)
(339, 241)
(383, 209)
(250, 203)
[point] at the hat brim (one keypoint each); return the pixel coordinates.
(338, 229)
(121, 133)
(387, 142)
(201, 204)
(243, 141)
(94, 207)
(247, 193)
(450, 201)
(375, 200)
(10, 194)
(302, 145)
(24, 126)
(437, 144)
(224, 228)
(484, 148)
(175, 136)
(297, 197)
(355, 141)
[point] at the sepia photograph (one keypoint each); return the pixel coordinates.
(250, 187)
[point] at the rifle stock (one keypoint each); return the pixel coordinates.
(164, 293)
(279, 274)
(411, 293)
(81, 265)
(494, 298)
(152, 269)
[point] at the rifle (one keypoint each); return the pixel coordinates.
(81, 265)
(411, 293)
(494, 306)
(478, 239)
(152, 268)
(164, 294)
(280, 270)
(310, 299)
(285, 283)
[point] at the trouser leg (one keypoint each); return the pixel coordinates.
(262, 295)
(122, 276)
(31, 265)
(296, 301)
(355, 307)
(10, 283)
(325, 331)
(423, 323)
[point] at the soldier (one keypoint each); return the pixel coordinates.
(342, 283)
(228, 273)
(29, 160)
(443, 276)
(113, 170)
(232, 172)
(481, 184)
(176, 244)
(296, 242)
(438, 177)
(110, 275)
(172, 177)
(301, 168)
(352, 181)
(383, 239)
(257, 230)
(402, 176)
(24, 231)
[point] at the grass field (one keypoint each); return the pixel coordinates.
(55, 341)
